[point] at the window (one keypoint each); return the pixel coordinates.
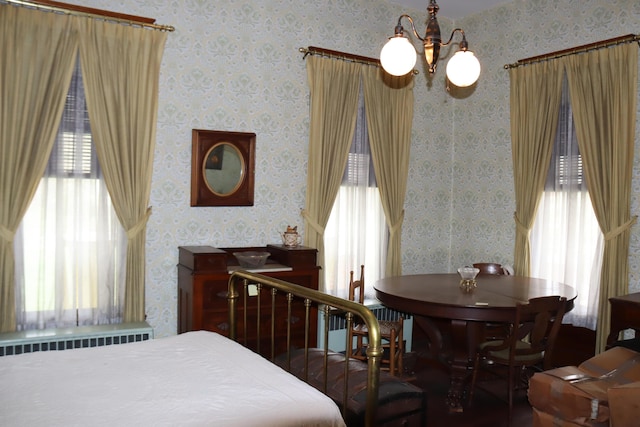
(70, 246)
(356, 233)
(566, 241)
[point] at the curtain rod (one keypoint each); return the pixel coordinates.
(629, 38)
(312, 50)
(68, 9)
(343, 56)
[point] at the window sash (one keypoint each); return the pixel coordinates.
(73, 153)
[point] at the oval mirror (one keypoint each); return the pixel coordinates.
(223, 168)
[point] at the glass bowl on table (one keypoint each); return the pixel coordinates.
(468, 278)
(251, 259)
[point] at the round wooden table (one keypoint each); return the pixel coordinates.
(432, 298)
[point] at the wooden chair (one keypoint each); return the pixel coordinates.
(490, 268)
(390, 332)
(493, 330)
(530, 343)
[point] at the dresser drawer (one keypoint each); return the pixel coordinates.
(203, 259)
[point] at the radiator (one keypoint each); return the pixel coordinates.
(13, 343)
(338, 327)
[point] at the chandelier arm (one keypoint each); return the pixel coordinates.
(399, 29)
(464, 39)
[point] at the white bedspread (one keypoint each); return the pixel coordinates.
(197, 379)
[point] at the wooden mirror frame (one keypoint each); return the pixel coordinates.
(203, 141)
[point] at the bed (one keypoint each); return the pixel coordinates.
(197, 378)
(204, 378)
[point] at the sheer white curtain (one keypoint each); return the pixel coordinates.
(566, 241)
(356, 233)
(70, 246)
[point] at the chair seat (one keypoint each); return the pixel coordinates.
(503, 354)
(386, 326)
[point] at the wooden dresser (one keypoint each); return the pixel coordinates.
(625, 314)
(203, 275)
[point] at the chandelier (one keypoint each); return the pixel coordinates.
(398, 56)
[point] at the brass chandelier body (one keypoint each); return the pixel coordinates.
(396, 53)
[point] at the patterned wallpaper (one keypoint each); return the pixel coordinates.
(234, 65)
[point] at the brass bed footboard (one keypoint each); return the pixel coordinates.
(253, 309)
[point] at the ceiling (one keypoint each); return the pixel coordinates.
(453, 9)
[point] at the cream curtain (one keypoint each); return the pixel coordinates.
(334, 87)
(535, 101)
(70, 247)
(121, 67)
(348, 244)
(41, 49)
(566, 241)
(603, 89)
(389, 107)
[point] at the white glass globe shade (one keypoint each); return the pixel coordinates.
(398, 56)
(463, 69)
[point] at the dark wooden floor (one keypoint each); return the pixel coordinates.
(486, 410)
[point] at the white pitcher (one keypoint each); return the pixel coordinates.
(291, 238)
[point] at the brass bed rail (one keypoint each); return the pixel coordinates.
(252, 285)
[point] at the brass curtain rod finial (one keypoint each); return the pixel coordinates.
(305, 51)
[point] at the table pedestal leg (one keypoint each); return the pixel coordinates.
(434, 353)
(465, 337)
(452, 347)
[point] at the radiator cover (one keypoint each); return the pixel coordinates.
(13, 343)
